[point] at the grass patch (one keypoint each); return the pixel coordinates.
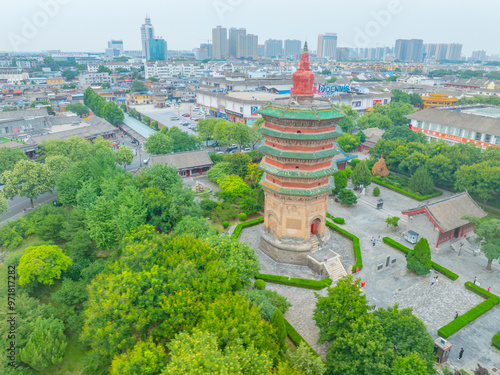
(403, 189)
(355, 244)
(295, 281)
(460, 322)
(396, 245)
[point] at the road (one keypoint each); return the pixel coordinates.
(18, 204)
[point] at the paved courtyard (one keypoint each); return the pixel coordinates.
(393, 284)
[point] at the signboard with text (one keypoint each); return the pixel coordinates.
(452, 138)
(332, 90)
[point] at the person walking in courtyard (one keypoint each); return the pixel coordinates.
(436, 280)
(456, 315)
(326, 258)
(489, 288)
(475, 278)
(378, 239)
(374, 242)
(461, 353)
(372, 239)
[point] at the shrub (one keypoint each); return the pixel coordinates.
(419, 260)
(260, 284)
(279, 323)
(380, 168)
(417, 197)
(225, 224)
(338, 220)
(421, 181)
(354, 163)
(495, 341)
(480, 291)
(246, 224)
(392, 221)
(355, 245)
(208, 205)
(9, 238)
(464, 319)
(295, 281)
(361, 175)
(347, 196)
(242, 216)
(376, 191)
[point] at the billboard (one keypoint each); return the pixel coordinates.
(332, 90)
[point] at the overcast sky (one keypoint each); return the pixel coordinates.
(87, 25)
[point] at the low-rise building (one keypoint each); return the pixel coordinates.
(139, 98)
(441, 222)
(13, 75)
(94, 78)
(438, 100)
(55, 81)
(474, 124)
(472, 83)
(373, 135)
(189, 163)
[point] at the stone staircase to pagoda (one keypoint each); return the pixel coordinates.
(314, 244)
(334, 267)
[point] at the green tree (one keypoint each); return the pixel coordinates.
(103, 69)
(46, 344)
(250, 205)
(421, 182)
(375, 120)
(27, 179)
(404, 133)
(412, 364)
(340, 179)
(392, 221)
(181, 140)
(254, 173)
(146, 358)
(197, 226)
(337, 311)
(218, 171)
(101, 224)
(233, 185)
(306, 361)
(361, 175)
(42, 263)
(124, 155)
(482, 179)
(488, 235)
(69, 75)
(159, 143)
(416, 100)
(279, 323)
(206, 128)
(112, 113)
(400, 96)
(419, 260)
(198, 353)
(238, 164)
(78, 109)
(9, 158)
(347, 196)
(138, 86)
(348, 142)
(4, 207)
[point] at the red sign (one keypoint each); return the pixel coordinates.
(453, 138)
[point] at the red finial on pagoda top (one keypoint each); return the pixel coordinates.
(303, 78)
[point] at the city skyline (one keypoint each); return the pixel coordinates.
(46, 25)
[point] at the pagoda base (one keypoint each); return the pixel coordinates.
(288, 250)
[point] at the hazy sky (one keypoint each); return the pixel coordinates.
(87, 25)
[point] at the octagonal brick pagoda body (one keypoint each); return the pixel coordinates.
(299, 145)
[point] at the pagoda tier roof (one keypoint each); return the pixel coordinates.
(301, 112)
(299, 154)
(297, 191)
(305, 136)
(271, 169)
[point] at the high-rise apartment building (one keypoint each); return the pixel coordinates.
(208, 47)
(219, 43)
(443, 51)
(234, 35)
(156, 49)
(261, 50)
(327, 46)
(478, 56)
(342, 54)
(454, 51)
(409, 50)
(247, 46)
(147, 32)
(273, 48)
(116, 46)
(293, 47)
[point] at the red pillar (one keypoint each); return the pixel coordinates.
(201, 171)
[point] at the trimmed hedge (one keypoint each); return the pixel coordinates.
(295, 281)
(445, 271)
(480, 291)
(296, 338)
(338, 220)
(246, 224)
(460, 322)
(495, 341)
(355, 245)
(407, 193)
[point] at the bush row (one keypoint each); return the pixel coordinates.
(295, 281)
(338, 220)
(246, 224)
(355, 245)
(407, 193)
(296, 337)
(480, 291)
(445, 271)
(495, 341)
(460, 322)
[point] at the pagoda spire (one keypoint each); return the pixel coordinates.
(303, 78)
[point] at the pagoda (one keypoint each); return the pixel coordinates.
(299, 145)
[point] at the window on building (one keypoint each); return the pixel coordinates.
(459, 132)
(385, 101)
(356, 104)
(433, 126)
(487, 138)
(444, 129)
(478, 136)
(497, 140)
(419, 124)
(241, 109)
(467, 134)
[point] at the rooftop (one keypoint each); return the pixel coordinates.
(183, 160)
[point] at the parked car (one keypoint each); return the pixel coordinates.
(174, 118)
(246, 149)
(186, 115)
(219, 153)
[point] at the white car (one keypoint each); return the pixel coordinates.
(246, 149)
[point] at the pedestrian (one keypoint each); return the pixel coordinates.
(326, 258)
(456, 315)
(378, 239)
(475, 278)
(436, 280)
(374, 242)
(489, 288)
(372, 239)
(433, 281)
(461, 353)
